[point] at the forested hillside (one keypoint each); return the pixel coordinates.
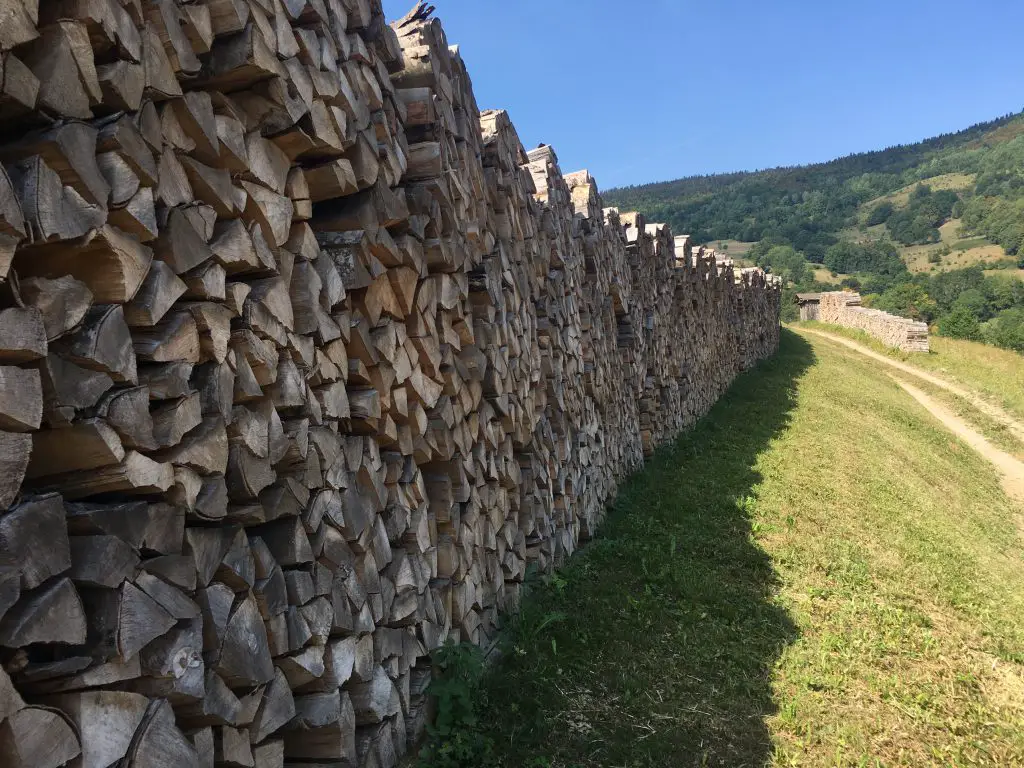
(933, 230)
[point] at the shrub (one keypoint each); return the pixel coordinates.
(878, 257)
(455, 738)
(961, 323)
(907, 300)
(880, 213)
(1006, 329)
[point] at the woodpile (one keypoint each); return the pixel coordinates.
(304, 361)
(844, 308)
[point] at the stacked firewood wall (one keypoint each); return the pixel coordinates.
(844, 308)
(304, 362)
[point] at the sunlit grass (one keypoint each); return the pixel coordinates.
(817, 575)
(997, 374)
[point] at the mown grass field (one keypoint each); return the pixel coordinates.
(996, 374)
(998, 378)
(996, 432)
(735, 250)
(817, 575)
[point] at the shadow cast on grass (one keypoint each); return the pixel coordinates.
(654, 645)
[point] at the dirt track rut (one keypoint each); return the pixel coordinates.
(1010, 468)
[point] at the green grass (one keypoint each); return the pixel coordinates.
(971, 242)
(734, 249)
(997, 374)
(816, 575)
(980, 369)
(997, 432)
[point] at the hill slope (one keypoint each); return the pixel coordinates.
(932, 231)
(808, 205)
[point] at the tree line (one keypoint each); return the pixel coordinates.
(797, 217)
(962, 303)
(807, 205)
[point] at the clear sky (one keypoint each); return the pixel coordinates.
(648, 90)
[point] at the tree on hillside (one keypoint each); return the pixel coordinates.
(787, 262)
(961, 323)
(880, 213)
(998, 220)
(918, 221)
(1004, 291)
(907, 300)
(945, 287)
(878, 257)
(1006, 329)
(975, 302)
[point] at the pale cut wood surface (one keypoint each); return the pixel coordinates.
(304, 361)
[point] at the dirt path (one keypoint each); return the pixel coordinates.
(1015, 427)
(1011, 469)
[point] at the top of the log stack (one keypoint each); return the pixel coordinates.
(585, 196)
(420, 12)
(683, 249)
(579, 178)
(850, 298)
(499, 134)
(543, 152)
(804, 298)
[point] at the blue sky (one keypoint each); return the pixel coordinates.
(651, 90)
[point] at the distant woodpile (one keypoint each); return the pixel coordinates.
(843, 308)
(304, 362)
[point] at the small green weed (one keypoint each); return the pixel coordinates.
(455, 739)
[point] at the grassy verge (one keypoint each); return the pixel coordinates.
(996, 432)
(817, 575)
(998, 374)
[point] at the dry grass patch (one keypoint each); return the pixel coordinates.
(735, 250)
(899, 198)
(824, 275)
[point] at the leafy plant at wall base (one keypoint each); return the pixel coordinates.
(455, 738)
